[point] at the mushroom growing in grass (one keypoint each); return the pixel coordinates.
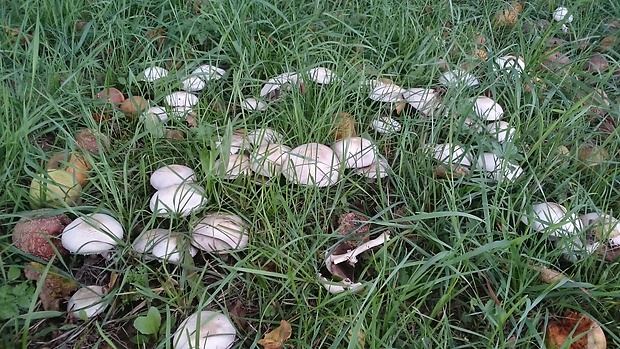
(276, 85)
(92, 141)
(497, 168)
(182, 199)
(380, 168)
(253, 104)
(95, 233)
(424, 100)
(37, 234)
(154, 73)
(355, 152)
(205, 330)
(561, 14)
(262, 136)
(458, 78)
(509, 63)
(232, 166)
(233, 143)
(54, 187)
(321, 75)
(134, 105)
(154, 120)
(220, 232)
(487, 109)
(386, 125)
(87, 302)
(170, 175)
(76, 164)
(208, 72)
(386, 92)
(454, 160)
(162, 244)
(181, 99)
(554, 217)
(502, 131)
(602, 229)
(268, 159)
(312, 164)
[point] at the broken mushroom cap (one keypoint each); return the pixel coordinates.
(312, 164)
(268, 159)
(603, 228)
(161, 244)
(170, 175)
(487, 109)
(321, 75)
(232, 166)
(220, 232)
(88, 300)
(355, 152)
(547, 215)
(92, 234)
(181, 99)
(182, 199)
(38, 234)
(205, 330)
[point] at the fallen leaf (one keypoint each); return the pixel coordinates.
(578, 330)
(276, 338)
(55, 287)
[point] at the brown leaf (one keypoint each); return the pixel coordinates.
(55, 287)
(578, 329)
(276, 338)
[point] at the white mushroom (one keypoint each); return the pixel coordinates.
(508, 63)
(603, 228)
(161, 244)
(502, 131)
(268, 159)
(448, 153)
(92, 234)
(550, 215)
(498, 168)
(384, 92)
(312, 164)
(193, 84)
(487, 109)
(232, 166)
(283, 81)
(156, 113)
(208, 72)
(355, 152)
(423, 100)
(205, 330)
(169, 175)
(561, 14)
(87, 301)
(386, 125)
(458, 77)
(378, 169)
(154, 73)
(262, 136)
(321, 75)
(252, 104)
(181, 99)
(182, 199)
(220, 232)
(233, 143)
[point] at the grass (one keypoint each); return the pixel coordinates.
(456, 273)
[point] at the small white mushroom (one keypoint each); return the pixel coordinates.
(232, 166)
(193, 84)
(550, 215)
(158, 112)
(205, 330)
(252, 104)
(312, 164)
(208, 72)
(154, 121)
(268, 159)
(161, 244)
(262, 136)
(423, 100)
(181, 99)
(283, 81)
(355, 152)
(448, 153)
(458, 77)
(378, 169)
(561, 14)
(508, 63)
(220, 232)
(169, 175)
(497, 168)
(182, 199)
(87, 301)
(487, 109)
(386, 125)
(154, 73)
(321, 75)
(502, 131)
(92, 234)
(388, 93)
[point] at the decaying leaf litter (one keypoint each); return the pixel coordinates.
(265, 155)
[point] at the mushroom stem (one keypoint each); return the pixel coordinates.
(351, 256)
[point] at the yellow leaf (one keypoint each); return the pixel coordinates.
(276, 338)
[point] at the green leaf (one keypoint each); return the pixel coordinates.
(150, 323)
(14, 273)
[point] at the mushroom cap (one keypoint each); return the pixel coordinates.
(510, 62)
(55, 187)
(253, 104)
(154, 73)
(501, 130)
(604, 227)
(390, 93)
(378, 169)
(321, 75)
(422, 99)
(220, 232)
(182, 199)
(205, 330)
(549, 214)
(448, 153)
(355, 152)
(282, 81)
(232, 143)
(499, 169)
(232, 166)
(386, 125)
(560, 14)
(161, 244)
(181, 99)
(38, 234)
(488, 109)
(268, 159)
(170, 175)
(181, 112)
(208, 72)
(312, 164)
(157, 111)
(262, 136)
(92, 234)
(193, 84)
(88, 299)
(458, 77)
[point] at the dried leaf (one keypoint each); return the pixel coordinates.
(578, 330)
(276, 338)
(55, 287)
(551, 276)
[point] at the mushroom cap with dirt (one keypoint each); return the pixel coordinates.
(355, 152)
(92, 234)
(87, 301)
(312, 164)
(169, 175)
(37, 234)
(182, 199)
(205, 330)
(161, 244)
(220, 232)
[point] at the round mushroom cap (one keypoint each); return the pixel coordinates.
(312, 164)
(253, 104)
(193, 84)
(232, 166)
(154, 73)
(355, 152)
(283, 81)
(38, 234)
(501, 130)
(458, 77)
(181, 99)
(382, 92)
(510, 62)
(220, 232)
(552, 215)
(378, 169)
(488, 109)
(182, 199)
(208, 72)
(170, 175)
(161, 244)
(158, 112)
(92, 234)
(321, 75)
(499, 169)
(205, 330)
(448, 153)
(87, 299)
(268, 159)
(422, 99)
